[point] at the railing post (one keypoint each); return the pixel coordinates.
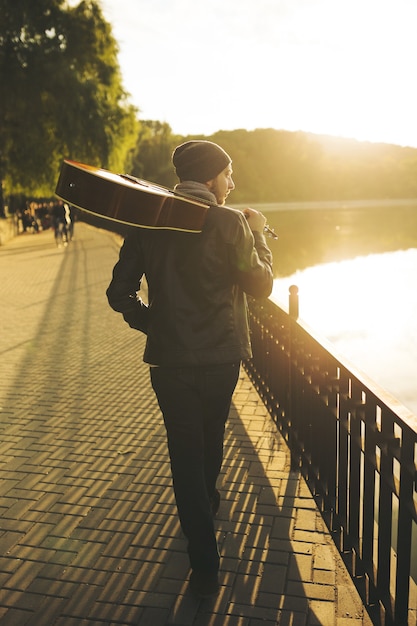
(293, 308)
(293, 314)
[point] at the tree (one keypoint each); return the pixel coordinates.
(62, 94)
(152, 157)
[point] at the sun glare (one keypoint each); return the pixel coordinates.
(340, 68)
(366, 308)
(352, 295)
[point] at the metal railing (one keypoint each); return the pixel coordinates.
(356, 447)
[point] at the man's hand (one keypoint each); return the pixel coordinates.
(255, 219)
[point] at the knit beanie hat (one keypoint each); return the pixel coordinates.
(200, 161)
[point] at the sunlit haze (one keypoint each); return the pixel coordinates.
(339, 67)
(367, 308)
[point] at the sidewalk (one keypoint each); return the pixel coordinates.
(88, 527)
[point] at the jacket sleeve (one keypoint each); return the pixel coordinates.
(122, 293)
(253, 260)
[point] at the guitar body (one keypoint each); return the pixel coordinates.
(128, 200)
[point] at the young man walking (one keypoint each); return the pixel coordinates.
(197, 334)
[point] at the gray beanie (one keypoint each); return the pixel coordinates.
(200, 161)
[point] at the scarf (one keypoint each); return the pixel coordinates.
(197, 190)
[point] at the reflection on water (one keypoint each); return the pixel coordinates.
(309, 236)
(356, 270)
(367, 308)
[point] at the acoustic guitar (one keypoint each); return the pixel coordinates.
(127, 199)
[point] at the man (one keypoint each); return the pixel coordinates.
(197, 334)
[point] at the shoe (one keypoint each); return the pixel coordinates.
(204, 584)
(215, 502)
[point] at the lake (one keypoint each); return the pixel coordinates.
(355, 264)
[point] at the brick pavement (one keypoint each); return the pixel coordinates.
(88, 526)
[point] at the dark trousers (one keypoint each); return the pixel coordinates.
(195, 404)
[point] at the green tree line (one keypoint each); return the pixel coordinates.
(63, 97)
(280, 166)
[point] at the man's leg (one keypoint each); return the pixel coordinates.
(218, 387)
(195, 403)
(180, 403)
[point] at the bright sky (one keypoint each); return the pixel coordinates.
(339, 67)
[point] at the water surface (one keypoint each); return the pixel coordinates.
(356, 268)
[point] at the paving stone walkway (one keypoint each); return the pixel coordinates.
(88, 528)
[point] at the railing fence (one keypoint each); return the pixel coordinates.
(356, 447)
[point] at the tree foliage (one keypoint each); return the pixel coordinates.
(152, 156)
(62, 93)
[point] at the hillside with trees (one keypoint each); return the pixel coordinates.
(281, 166)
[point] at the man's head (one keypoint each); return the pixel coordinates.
(200, 161)
(204, 162)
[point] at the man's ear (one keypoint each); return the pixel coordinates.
(210, 183)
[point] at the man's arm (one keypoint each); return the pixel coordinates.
(253, 257)
(125, 283)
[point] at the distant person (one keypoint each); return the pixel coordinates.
(197, 334)
(69, 219)
(59, 223)
(27, 220)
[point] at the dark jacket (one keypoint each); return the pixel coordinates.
(197, 313)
